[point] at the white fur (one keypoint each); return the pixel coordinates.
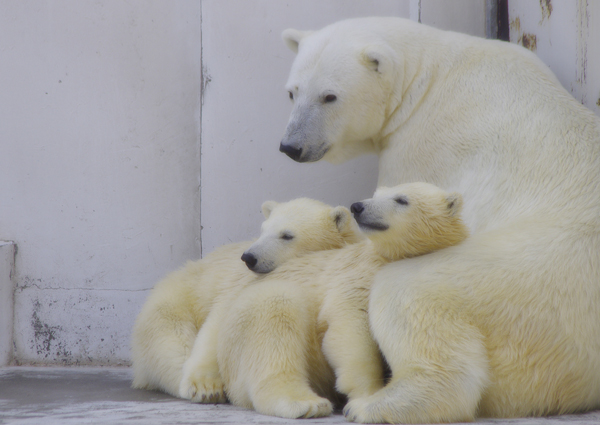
(508, 323)
(283, 333)
(174, 336)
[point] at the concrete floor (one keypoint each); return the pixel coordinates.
(83, 395)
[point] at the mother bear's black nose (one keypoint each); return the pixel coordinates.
(249, 259)
(357, 208)
(291, 151)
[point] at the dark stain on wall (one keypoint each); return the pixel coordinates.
(46, 338)
(546, 6)
(43, 334)
(529, 41)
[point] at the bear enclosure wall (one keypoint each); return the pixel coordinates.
(138, 135)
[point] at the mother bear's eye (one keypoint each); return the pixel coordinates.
(330, 98)
(401, 200)
(287, 236)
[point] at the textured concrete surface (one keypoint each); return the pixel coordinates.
(86, 395)
(7, 263)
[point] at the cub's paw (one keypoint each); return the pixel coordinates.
(203, 387)
(357, 410)
(295, 409)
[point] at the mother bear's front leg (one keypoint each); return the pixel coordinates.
(437, 355)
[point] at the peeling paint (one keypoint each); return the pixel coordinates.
(206, 79)
(546, 6)
(515, 24)
(582, 49)
(529, 41)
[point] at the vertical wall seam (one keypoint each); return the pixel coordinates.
(199, 143)
(502, 20)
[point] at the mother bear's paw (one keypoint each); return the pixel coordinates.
(360, 410)
(203, 386)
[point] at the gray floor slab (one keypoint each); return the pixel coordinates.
(83, 395)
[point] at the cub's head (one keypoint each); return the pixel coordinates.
(294, 228)
(339, 84)
(411, 219)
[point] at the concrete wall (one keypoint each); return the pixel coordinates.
(246, 109)
(7, 257)
(99, 166)
(100, 169)
(565, 34)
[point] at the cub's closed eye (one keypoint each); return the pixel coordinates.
(401, 200)
(330, 98)
(287, 236)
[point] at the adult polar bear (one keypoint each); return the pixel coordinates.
(508, 323)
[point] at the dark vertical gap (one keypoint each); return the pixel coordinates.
(502, 17)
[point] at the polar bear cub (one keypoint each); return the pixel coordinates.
(310, 314)
(166, 329)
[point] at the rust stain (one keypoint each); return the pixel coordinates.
(515, 24)
(529, 41)
(546, 6)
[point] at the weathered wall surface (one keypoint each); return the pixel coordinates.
(100, 106)
(7, 257)
(565, 34)
(246, 109)
(100, 168)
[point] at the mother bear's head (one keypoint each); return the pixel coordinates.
(339, 88)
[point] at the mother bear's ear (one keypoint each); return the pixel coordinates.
(292, 38)
(379, 58)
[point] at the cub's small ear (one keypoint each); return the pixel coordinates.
(342, 217)
(454, 202)
(267, 207)
(379, 58)
(292, 38)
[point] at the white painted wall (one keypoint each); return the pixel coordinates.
(99, 165)
(100, 143)
(565, 34)
(467, 16)
(246, 109)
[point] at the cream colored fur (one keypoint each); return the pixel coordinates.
(506, 324)
(281, 334)
(175, 321)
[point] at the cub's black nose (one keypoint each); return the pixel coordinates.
(291, 151)
(357, 207)
(249, 259)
